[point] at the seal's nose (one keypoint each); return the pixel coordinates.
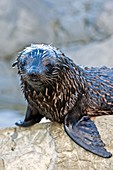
(32, 73)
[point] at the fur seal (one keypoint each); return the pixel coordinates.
(60, 90)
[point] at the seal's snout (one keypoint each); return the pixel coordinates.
(33, 74)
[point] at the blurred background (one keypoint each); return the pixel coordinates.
(82, 29)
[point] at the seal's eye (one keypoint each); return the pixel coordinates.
(49, 67)
(23, 62)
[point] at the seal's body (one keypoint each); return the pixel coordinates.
(58, 89)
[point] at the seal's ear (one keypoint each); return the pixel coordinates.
(15, 63)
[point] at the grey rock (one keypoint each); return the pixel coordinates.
(57, 22)
(2, 167)
(10, 89)
(94, 54)
(104, 21)
(82, 29)
(47, 147)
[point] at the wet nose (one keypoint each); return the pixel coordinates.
(32, 72)
(33, 75)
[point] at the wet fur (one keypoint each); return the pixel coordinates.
(55, 87)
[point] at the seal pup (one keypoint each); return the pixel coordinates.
(60, 90)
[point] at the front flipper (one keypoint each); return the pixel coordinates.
(85, 134)
(32, 117)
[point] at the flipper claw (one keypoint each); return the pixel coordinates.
(25, 123)
(32, 117)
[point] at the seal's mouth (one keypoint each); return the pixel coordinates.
(33, 77)
(35, 80)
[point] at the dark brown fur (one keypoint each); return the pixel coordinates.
(55, 86)
(54, 94)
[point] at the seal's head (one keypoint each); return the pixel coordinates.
(40, 64)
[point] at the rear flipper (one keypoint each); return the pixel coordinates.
(85, 134)
(32, 117)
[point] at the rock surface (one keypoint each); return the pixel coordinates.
(82, 29)
(57, 22)
(47, 147)
(96, 54)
